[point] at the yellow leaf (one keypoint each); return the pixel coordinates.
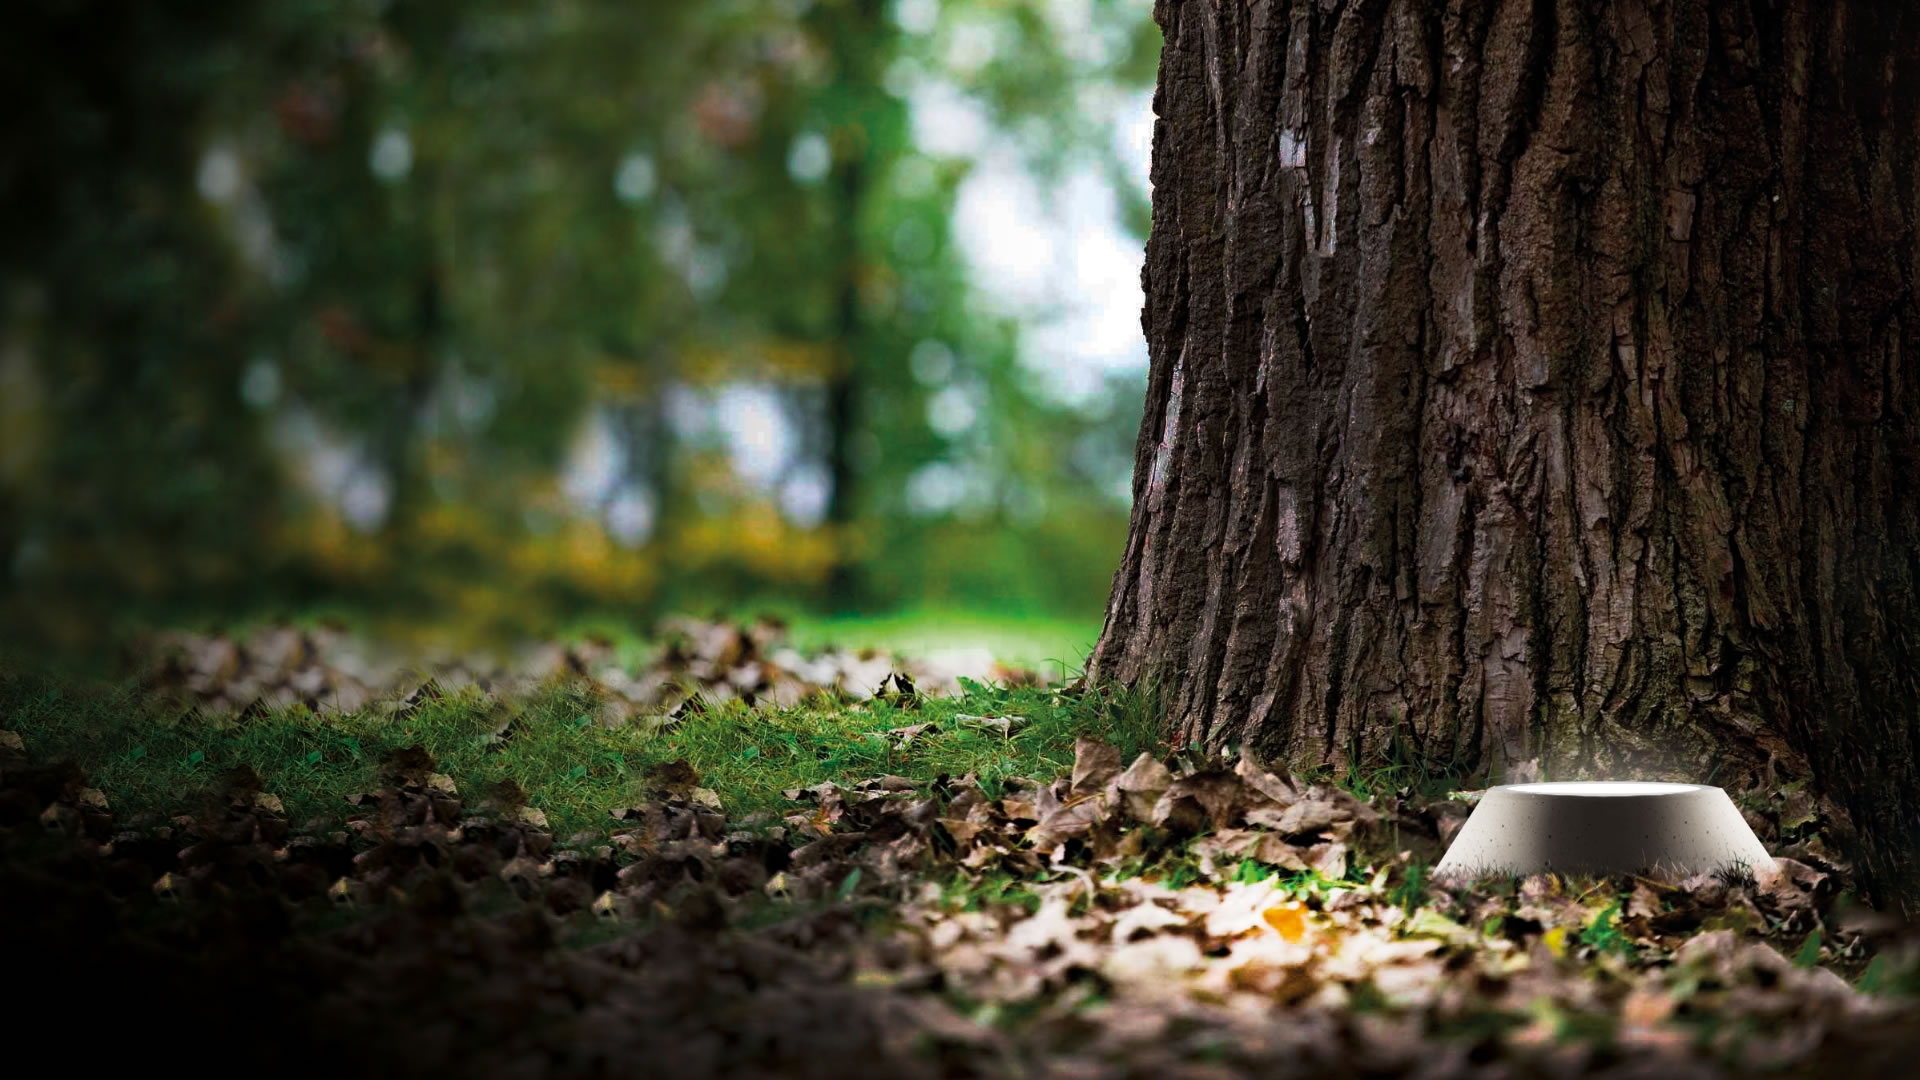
(1288, 921)
(1427, 922)
(1556, 940)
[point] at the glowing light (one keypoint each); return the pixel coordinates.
(811, 158)
(932, 362)
(1603, 787)
(392, 155)
(636, 179)
(917, 16)
(220, 176)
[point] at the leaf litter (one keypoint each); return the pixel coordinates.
(698, 664)
(1192, 917)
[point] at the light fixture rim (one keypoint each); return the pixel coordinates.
(1604, 788)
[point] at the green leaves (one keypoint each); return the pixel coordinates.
(1604, 934)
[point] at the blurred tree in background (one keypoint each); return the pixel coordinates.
(494, 313)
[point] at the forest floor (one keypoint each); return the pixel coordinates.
(721, 855)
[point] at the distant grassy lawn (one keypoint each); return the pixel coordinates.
(1050, 645)
(1055, 646)
(573, 767)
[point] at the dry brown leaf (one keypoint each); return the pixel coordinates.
(1141, 786)
(1300, 819)
(1276, 788)
(1208, 798)
(673, 779)
(1258, 845)
(1065, 821)
(1094, 763)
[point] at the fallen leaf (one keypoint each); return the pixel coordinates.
(1427, 922)
(1329, 859)
(1144, 918)
(1299, 819)
(1063, 822)
(1260, 846)
(1211, 797)
(1287, 920)
(1094, 763)
(673, 779)
(1005, 725)
(1276, 788)
(1153, 963)
(1141, 786)
(906, 735)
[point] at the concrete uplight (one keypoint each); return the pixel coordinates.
(1603, 827)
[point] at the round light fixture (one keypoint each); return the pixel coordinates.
(1602, 827)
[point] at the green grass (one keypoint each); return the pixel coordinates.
(1056, 647)
(572, 767)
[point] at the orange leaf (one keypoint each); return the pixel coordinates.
(1288, 921)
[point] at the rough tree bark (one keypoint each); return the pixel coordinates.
(1536, 379)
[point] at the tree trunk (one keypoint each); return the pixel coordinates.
(853, 30)
(843, 395)
(1534, 380)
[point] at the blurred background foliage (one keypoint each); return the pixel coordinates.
(494, 315)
